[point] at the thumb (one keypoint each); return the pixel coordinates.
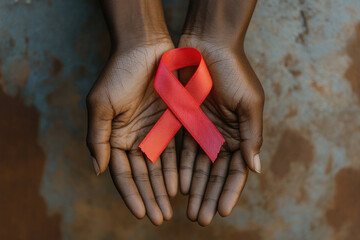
(251, 126)
(98, 133)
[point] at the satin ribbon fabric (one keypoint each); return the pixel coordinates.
(183, 105)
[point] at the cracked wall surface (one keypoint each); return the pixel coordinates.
(306, 54)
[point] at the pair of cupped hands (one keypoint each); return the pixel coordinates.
(123, 106)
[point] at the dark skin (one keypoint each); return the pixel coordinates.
(235, 105)
(123, 106)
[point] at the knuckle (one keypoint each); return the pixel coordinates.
(169, 169)
(187, 164)
(169, 150)
(141, 177)
(92, 140)
(160, 197)
(216, 179)
(196, 196)
(199, 173)
(210, 199)
(128, 195)
(125, 175)
(155, 173)
(150, 199)
(135, 153)
(186, 167)
(188, 153)
(238, 171)
(231, 192)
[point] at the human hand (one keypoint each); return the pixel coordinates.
(123, 106)
(235, 106)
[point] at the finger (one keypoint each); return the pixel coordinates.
(98, 133)
(198, 185)
(141, 177)
(214, 187)
(234, 184)
(158, 186)
(187, 159)
(250, 125)
(122, 177)
(169, 167)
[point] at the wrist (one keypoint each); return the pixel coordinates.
(220, 22)
(147, 39)
(213, 50)
(208, 42)
(208, 45)
(134, 23)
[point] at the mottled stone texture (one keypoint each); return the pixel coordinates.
(305, 52)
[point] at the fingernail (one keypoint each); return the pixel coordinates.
(96, 167)
(257, 164)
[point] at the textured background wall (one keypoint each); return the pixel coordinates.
(305, 52)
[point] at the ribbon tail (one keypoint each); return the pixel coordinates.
(160, 135)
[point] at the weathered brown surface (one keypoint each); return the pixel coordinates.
(344, 214)
(353, 50)
(24, 212)
(293, 149)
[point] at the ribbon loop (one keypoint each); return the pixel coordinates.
(184, 105)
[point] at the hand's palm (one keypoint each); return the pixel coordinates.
(234, 105)
(123, 106)
(235, 88)
(136, 104)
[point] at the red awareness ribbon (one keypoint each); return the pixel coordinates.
(183, 105)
